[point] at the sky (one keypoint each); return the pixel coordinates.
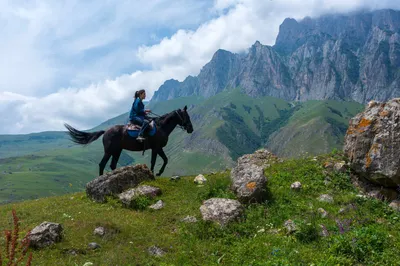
(80, 62)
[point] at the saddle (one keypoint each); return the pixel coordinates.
(133, 130)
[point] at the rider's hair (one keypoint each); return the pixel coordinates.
(137, 93)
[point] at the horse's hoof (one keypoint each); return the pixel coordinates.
(158, 174)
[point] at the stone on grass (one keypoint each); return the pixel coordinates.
(100, 231)
(200, 179)
(221, 210)
(296, 186)
(117, 181)
(94, 245)
(128, 197)
(395, 205)
(326, 198)
(158, 205)
(45, 234)
(156, 251)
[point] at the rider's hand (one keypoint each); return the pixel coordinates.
(147, 110)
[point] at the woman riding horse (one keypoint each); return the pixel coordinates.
(116, 139)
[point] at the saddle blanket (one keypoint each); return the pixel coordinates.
(133, 130)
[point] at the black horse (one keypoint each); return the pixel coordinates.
(116, 139)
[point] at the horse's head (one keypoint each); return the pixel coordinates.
(185, 120)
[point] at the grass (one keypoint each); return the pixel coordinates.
(367, 233)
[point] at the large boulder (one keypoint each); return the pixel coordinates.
(45, 234)
(372, 143)
(221, 210)
(117, 181)
(248, 179)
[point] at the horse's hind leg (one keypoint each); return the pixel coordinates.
(103, 162)
(114, 160)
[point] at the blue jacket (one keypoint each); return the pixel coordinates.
(137, 109)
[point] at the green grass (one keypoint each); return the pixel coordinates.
(368, 233)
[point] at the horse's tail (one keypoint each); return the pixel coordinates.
(81, 137)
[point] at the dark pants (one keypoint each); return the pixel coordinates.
(141, 122)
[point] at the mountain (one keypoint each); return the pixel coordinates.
(353, 57)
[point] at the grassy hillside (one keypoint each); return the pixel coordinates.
(367, 232)
(315, 127)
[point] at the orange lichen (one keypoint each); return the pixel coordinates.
(372, 150)
(364, 123)
(251, 185)
(383, 113)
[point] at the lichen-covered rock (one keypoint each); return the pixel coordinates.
(248, 179)
(45, 234)
(130, 195)
(290, 226)
(372, 143)
(221, 210)
(117, 181)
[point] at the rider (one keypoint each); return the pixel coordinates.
(138, 114)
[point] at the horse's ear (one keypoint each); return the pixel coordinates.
(185, 108)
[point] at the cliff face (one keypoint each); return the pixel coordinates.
(346, 57)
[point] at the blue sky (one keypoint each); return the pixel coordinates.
(80, 62)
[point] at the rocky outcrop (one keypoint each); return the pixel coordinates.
(45, 234)
(372, 143)
(347, 57)
(117, 181)
(221, 210)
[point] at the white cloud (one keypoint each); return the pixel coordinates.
(239, 23)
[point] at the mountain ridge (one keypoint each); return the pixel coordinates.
(353, 57)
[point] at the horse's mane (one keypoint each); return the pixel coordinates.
(162, 119)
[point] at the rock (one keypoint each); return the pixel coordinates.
(175, 178)
(117, 181)
(248, 179)
(100, 231)
(340, 167)
(395, 205)
(158, 205)
(326, 198)
(189, 219)
(156, 251)
(221, 210)
(45, 234)
(296, 186)
(371, 143)
(128, 196)
(94, 245)
(322, 212)
(327, 181)
(200, 179)
(324, 231)
(88, 263)
(290, 226)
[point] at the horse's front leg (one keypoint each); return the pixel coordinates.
(164, 157)
(153, 159)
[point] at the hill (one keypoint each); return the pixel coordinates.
(355, 231)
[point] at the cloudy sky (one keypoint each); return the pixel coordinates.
(80, 62)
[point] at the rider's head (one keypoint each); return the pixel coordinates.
(140, 94)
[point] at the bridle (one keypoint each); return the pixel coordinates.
(184, 122)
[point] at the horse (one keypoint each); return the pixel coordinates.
(116, 139)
